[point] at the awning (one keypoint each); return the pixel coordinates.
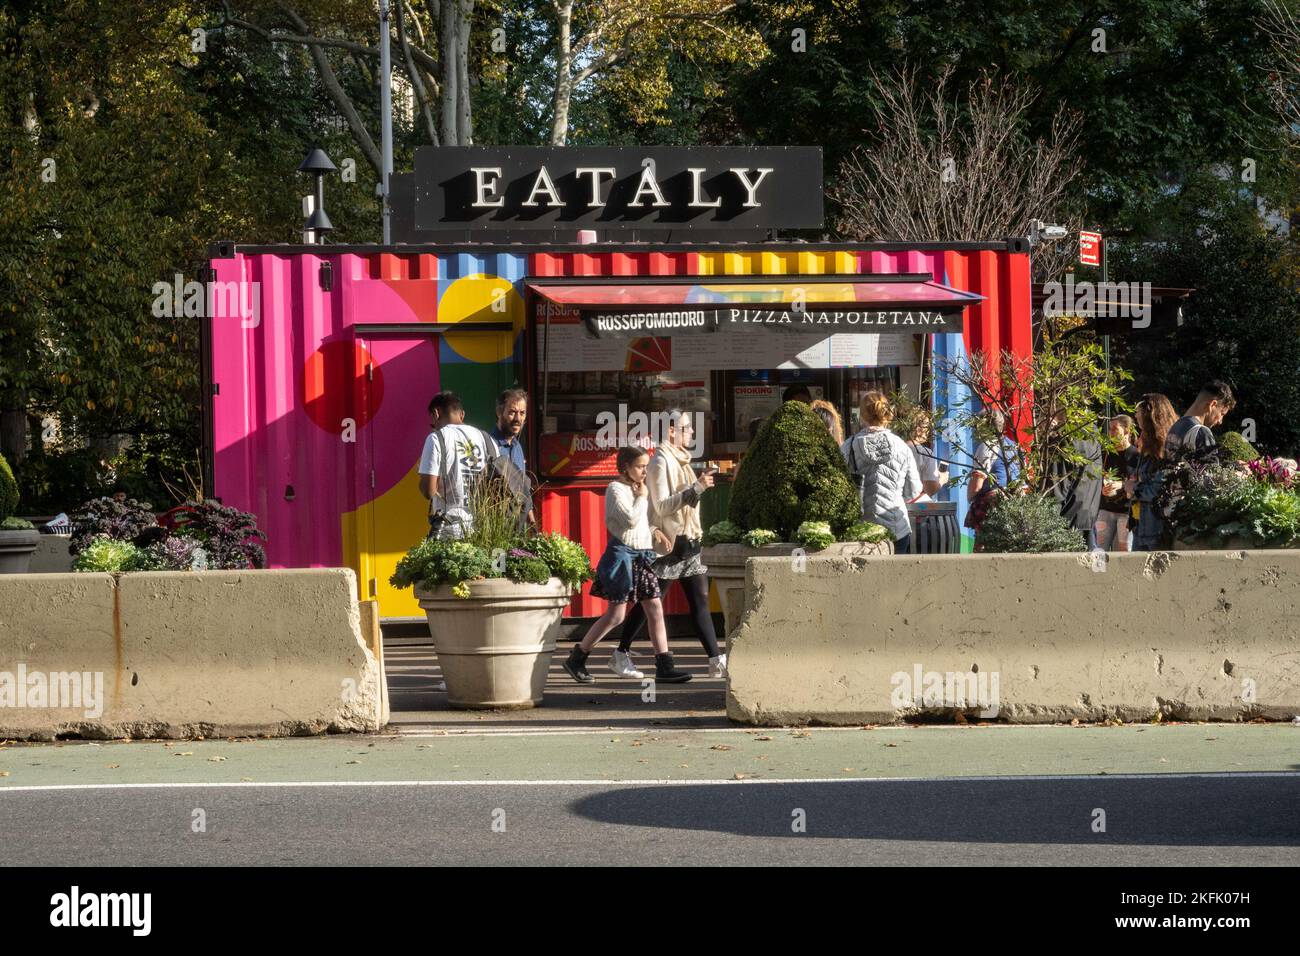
(630, 307)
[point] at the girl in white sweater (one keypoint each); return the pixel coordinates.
(625, 573)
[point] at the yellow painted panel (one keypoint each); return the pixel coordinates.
(377, 534)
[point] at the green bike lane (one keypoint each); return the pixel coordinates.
(661, 756)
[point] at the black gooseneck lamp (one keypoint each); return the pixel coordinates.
(318, 164)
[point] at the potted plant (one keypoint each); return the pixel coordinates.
(494, 601)
(1221, 504)
(118, 533)
(792, 494)
(18, 538)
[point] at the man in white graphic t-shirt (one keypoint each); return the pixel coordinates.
(454, 456)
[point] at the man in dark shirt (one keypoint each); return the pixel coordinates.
(1191, 433)
(512, 412)
(1078, 487)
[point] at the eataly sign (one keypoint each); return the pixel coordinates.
(648, 192)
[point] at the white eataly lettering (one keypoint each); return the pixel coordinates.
(595, 172)
(482, 187)
(751, 188)
(649, 185)
(697, 200)
(543, 184)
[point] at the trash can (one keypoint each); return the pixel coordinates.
(934, 527)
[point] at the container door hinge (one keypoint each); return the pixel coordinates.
(374, 588)
(326, 276)
(370, 371)
(216, 388)
(372, 477)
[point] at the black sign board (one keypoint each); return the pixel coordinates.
(687, 320)
(608, 187)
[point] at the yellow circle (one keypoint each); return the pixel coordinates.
(482, 298)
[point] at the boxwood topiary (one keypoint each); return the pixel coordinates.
(8, 490)
(1027, 524)
(1236, 445)
(793, 473)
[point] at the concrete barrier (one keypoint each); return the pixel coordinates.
(52, 555)
(1206, 635)
(182, 654)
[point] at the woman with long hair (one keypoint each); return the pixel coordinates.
(830, 418)
(675, 513)
(884, 468)
(625, 573)
(1155, 416)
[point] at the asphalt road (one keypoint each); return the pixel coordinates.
(1174, 820)
(1016, 796)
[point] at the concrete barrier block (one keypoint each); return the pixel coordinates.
(181, 654)
(1188, 635)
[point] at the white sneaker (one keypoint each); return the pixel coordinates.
(718, 666)
(621, 664)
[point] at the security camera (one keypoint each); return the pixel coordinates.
(1055, 232)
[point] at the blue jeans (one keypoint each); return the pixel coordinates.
(903, 545)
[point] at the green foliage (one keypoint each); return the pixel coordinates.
(109, 554)
(722, 532)
(867, 531)
(525, 570)
(119, 518)
(16, 524)
(1241, 324)
(1028, 524)
(1237, 446)
(757, 538)
(8, 490)
(566, 560)
(1219, 502)
(794, 473)
(433, 562)
(815, 535)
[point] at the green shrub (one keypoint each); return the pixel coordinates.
(109, 554)
(723, 532)
(16, 524)
(867, 531)
(527, 570)
(565, 559)
(794, 473)
(434, 561)
(814, 535)
(1028, 524)
(757, 538)
(1237, 446)
(8, 490)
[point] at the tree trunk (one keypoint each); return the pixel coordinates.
(563, 72)
(13, 435)
(464, 112)
(450, 74)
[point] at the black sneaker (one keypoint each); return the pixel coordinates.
(576, 666)
(666, 672)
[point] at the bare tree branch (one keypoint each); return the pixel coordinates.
(417, 83)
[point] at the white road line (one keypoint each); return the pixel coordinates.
(645, 783)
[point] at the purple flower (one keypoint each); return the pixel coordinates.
(521, 553)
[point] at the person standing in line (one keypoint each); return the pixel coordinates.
(1077, 485)
(453, 458)
(512, 412)
(1155, 419)
(996, 468)
(884, 468)
(1191, 433)
(1112, 531)
(933, 477)
(831, 418)
(675, 511)
(798, 392)
(625, 573)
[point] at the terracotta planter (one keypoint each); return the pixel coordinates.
(726, 564)
(495, 646)
(16, 549)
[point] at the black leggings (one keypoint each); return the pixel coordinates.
(696, 588)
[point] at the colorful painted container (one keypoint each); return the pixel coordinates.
(321, 361)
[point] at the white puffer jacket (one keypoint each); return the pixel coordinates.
(889, 476)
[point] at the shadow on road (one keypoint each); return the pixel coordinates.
(1203, 811)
